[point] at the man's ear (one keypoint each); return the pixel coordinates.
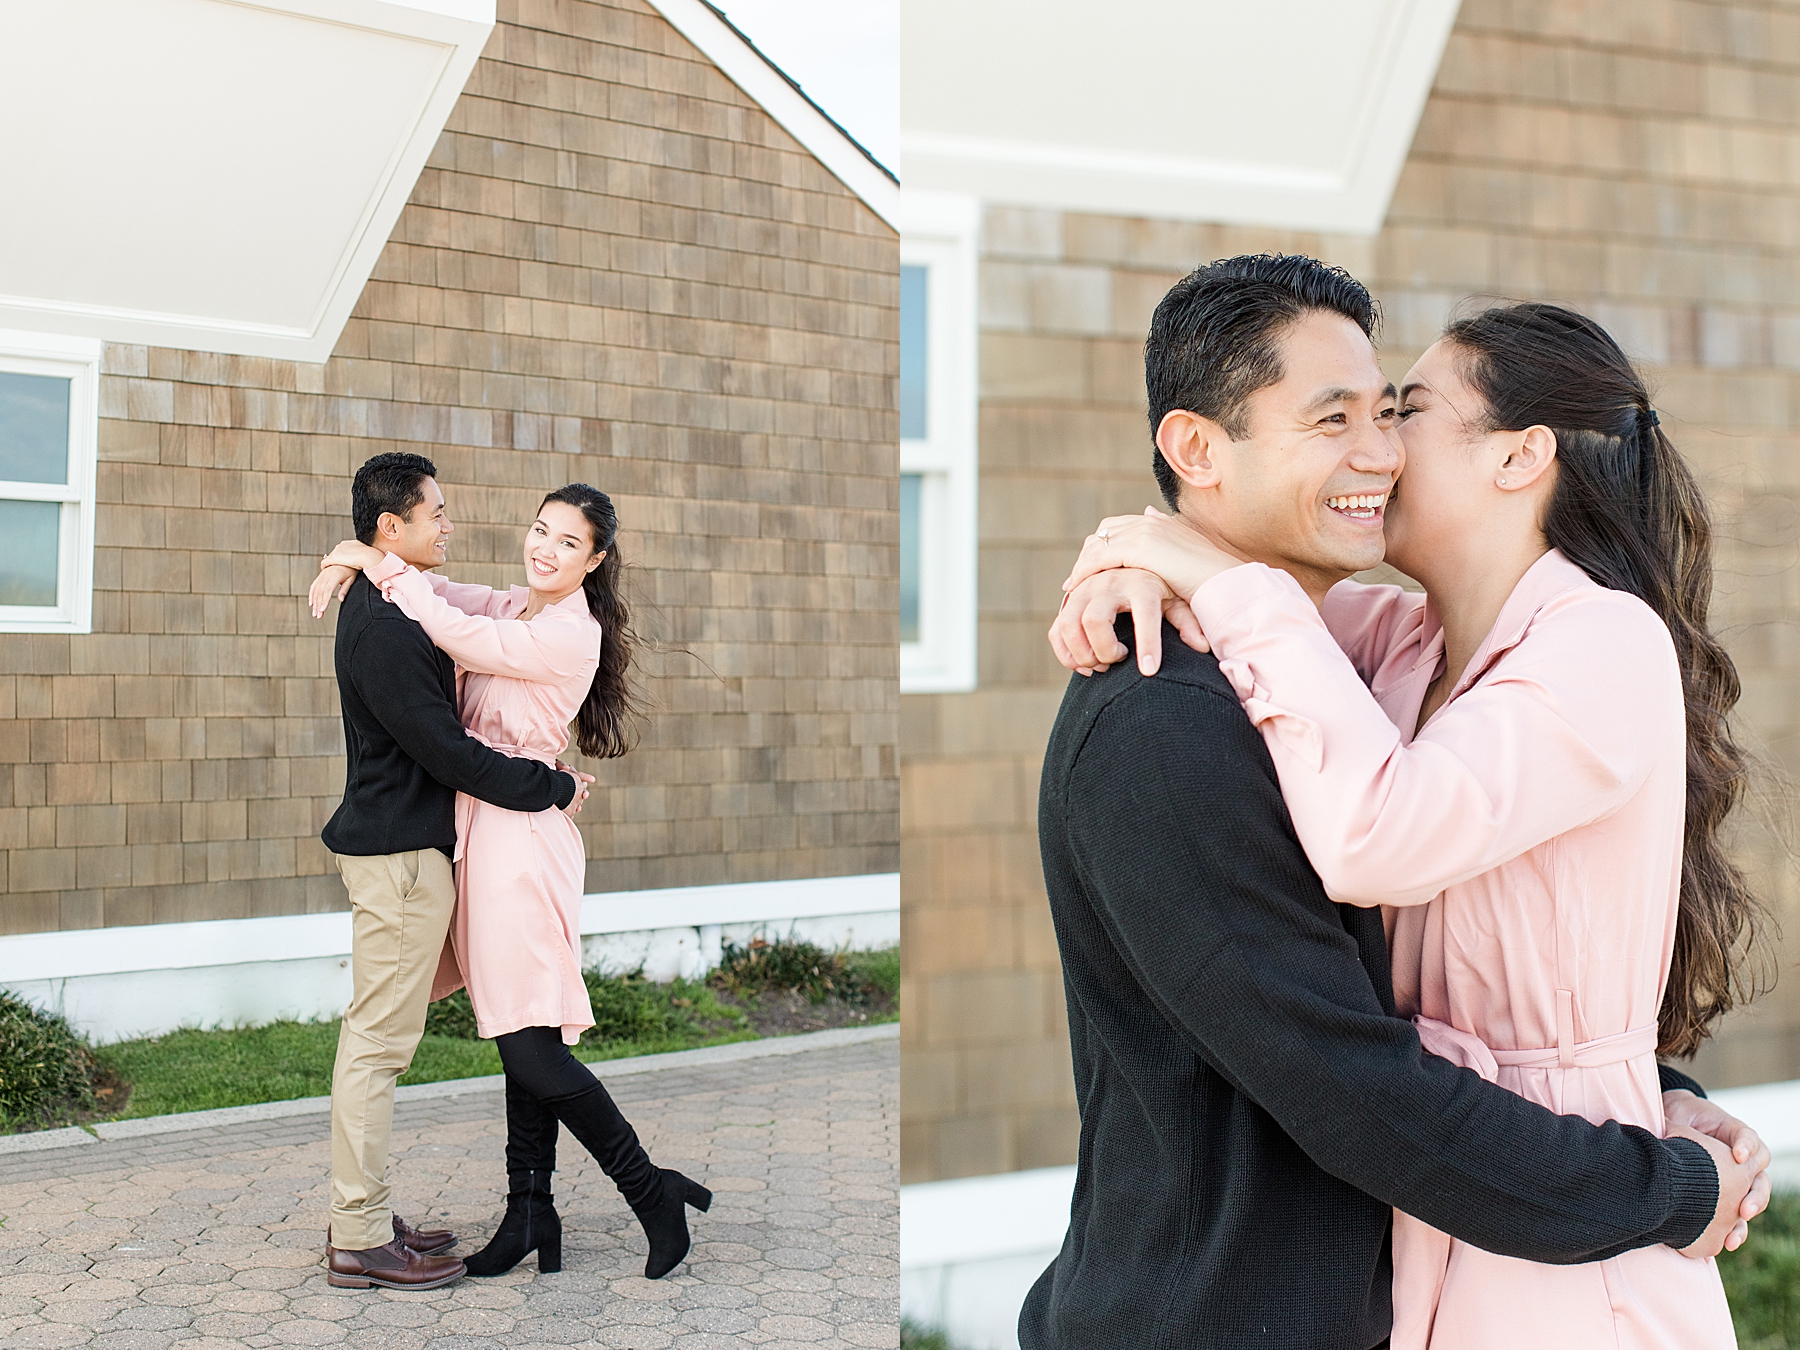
(1527, 458)
(387, 525)
(1187, 442)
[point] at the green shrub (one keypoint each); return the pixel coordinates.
(1762, 1279)
(877, 970)
(789, 963)
(627, 1008)
(452, 1016)
(46, 1070)
(632, 1008)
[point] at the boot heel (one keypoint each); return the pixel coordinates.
(697, 1196)
(337, 1281)
(550, 1254)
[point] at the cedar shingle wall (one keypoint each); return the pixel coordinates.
(616, 269)
(1638, 160)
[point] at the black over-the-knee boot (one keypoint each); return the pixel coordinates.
(659, 1196)
(530, 1222)
(538, 1059)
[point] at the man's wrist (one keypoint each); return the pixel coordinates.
(566, 792)
(1693, 1194)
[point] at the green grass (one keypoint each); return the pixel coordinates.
(194, 1070)
(915, 1337)
(198, 1070)
(1762, 1279)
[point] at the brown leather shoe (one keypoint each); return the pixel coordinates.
(392, 1266)
(425, 1241)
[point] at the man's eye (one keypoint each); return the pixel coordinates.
(1406, 413)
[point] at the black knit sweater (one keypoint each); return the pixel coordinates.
(406, 754)
(1250, 1107)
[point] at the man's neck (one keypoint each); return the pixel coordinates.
(410, 562)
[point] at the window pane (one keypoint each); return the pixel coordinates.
(28, 552)
(34, 429)
(912, 353)
(910, 485)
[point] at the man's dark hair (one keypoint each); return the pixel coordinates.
(1216, 337)
(390, 482)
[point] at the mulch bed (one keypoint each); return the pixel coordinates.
(782, 1012)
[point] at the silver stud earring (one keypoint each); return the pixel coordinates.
(1502, 482)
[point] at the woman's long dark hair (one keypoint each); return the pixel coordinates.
(1626, 510)
(610, 713)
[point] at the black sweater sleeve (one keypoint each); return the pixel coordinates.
(1176, 820)
(1673, 1079)
(396, 674)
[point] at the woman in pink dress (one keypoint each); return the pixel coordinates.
(1527, 766)
(530, 661)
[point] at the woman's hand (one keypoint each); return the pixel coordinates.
(331, 578)
(1737, 1180)
(1682, 1108)
(581, 788)
(337, 569)
(1180, 555)
(1083, 637)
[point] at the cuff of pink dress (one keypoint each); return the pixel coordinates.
(390, 566)
(1225, 599)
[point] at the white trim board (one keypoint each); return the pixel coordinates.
(763, 81)
(224, 942)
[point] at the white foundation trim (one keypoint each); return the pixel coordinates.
(119, 983)
(224, 942)
(970, 1250)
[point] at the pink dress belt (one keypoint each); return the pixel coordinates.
(1470, 1051)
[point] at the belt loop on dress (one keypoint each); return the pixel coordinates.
(1565, 1028)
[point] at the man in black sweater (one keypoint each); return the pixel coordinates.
(406, 758)
(1250, 1106)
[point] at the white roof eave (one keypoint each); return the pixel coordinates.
(216, 176)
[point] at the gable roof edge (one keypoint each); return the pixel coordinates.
(778, 95)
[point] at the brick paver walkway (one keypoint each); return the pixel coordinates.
(213, 1239)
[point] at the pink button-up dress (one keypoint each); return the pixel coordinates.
(515, 940)
(1527, 843)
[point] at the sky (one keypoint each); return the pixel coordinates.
(844, 53)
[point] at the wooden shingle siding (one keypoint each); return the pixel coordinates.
(615, 269)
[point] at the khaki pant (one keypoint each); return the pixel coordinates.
(401, 905)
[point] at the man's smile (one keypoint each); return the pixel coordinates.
(1359, 506)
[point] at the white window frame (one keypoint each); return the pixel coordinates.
(941, 233)
(78, 361)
